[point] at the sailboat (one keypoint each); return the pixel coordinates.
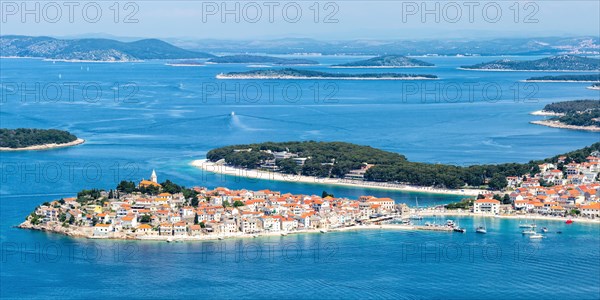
(416, 216)
(481, 228)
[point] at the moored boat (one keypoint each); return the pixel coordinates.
(544, 229)
(536, 236)
(569, 221)
(481, 229)
(524, 232)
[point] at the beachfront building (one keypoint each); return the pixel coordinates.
(591, 210)
(102, 230)
(486, 206)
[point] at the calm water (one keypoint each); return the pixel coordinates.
(164, 117)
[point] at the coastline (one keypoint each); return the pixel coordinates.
(546, 113)
(259, 174)
(513, 70)
(222, 76)
(78, 141)
(378, 67)
(571, 81)
(450, 213)
(556, 124)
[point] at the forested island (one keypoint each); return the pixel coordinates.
(553, 63)
(289, 73)
(257, 59)
(386, 61)
(578, 114)
(35, 139)
(92, 49)
(356, 162)
(566, 78)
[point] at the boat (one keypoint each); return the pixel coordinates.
(450, 223)
(536, 236)
(559, 232)
(220, 238)
(284, 234)
(169, 240)
(529, 231)
(569, 221)
(458, 229)
(481, 229)
(544, 229)
(323, 230)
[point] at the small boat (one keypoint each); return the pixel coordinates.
(526, 225)
(524, 232)
(559, 232)
(481, 229)
(323, 230)
(458, 229)
(569, 221)
(169, 240)
(450, 223)
(416, 217)
(220, 238)
(544, 229)
(536, 236)
(255, 235)
(284, 234)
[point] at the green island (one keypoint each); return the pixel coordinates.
(553, 63)
(385, 61)
(560, 78)
(578, 114)
(366, 164)
(258, 59)
(289, 73)
(35, 139)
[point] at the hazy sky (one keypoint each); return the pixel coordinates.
(355, 19)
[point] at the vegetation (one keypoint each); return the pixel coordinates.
(257, 59)
(559, 62)
(387, 61)
(587, 77)
(294, 73)
(335, 159)
(577, 113)
(25, 137)
(462, 204)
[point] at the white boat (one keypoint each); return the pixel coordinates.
(481, 229)
(323, 230)
(536, 236)
(544, 229)
(450, 223)
(169, 240)
(284, 234)
(220, 238)
(525, 226)
(529, 231)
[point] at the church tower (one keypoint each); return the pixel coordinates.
(153, 177)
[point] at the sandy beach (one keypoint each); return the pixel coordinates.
(266, 175)
(45, 146)
(556, 124)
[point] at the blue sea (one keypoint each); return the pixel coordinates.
(136, 117)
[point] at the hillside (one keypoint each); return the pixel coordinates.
(553, 63)
(26, 137)
(257, 59)
(386, 61)
(93, 49)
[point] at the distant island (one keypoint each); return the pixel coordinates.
(386, 61)
(306, 74)
(578, 114)
(339, 163)
(185, 63)
(95, 50)
(566, 78)
(553, 63)
(256, 59)
(35, 139)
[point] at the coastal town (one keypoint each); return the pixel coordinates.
(147, 210)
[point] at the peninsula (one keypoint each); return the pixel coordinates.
(565, 189)
(386, 61)
(577, 115)
(22, 139)
(289, 73)
(553, 63)
(339, 163)
(257, 59)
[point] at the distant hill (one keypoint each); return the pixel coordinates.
(289, 73)
(576, 113)
(257, 59)
(553, 63)
(93, 49)
(583, 78)
(386, 61)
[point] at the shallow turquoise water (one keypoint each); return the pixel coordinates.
(173, 120)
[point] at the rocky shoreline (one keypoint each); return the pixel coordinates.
(556, 124)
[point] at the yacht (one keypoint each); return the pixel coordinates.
(529, 231)
(481, 229)
(536, 236)
(458, 229)
(544, 229)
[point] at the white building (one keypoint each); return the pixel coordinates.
(486, 206)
